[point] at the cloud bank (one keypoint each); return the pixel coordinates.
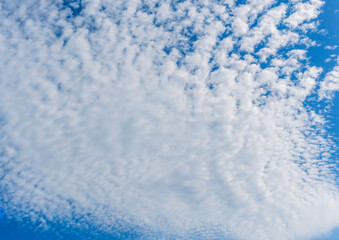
(180, 118)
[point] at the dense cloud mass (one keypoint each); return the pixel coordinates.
(179, 118)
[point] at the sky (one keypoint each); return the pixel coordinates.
(172, 119)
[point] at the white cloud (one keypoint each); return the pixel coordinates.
(331, 83)
(150, 115)
(266, 26)
(304, 12)
(331, 47)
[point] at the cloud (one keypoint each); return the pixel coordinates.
(331, 83)
(304, 12)
(331, 47)
(177, 118)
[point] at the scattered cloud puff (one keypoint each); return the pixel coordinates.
(332, 57)
(331, 47)
(330, 85)
(181, 118)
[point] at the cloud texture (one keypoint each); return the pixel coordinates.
(180, 118)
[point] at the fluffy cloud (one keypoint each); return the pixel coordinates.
(176, 117)
(330, 85)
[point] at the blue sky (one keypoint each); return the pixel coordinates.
(169, 119)
(329, 19)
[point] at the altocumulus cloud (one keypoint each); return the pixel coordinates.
(181, 118)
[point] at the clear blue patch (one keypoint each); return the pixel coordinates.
(224, 35)
(167, 50)
(214, 68)
(211, 86)
(74, 5)
(2, 212)
(334, 235)
(238, 2)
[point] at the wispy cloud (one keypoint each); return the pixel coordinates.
(175, 117)
(331, 47)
